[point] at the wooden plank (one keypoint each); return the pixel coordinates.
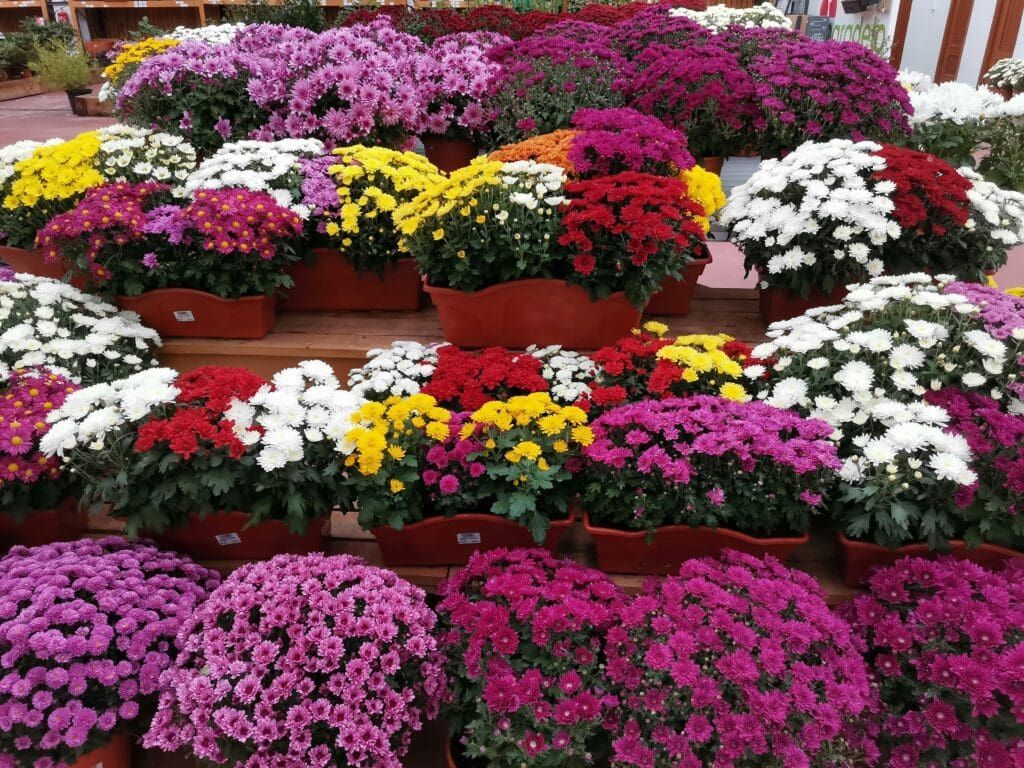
(26, 86)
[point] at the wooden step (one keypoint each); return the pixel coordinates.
(343, 338)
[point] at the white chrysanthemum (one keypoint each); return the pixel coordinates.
(855, 376)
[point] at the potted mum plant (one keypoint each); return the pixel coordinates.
(207, 267)
(921, 380)
(353, 193)
(936, 636)
(216, 462)
(665, 481)
(839, 212)
(62, 66)
(49, 323)
(38, 500)
(524, 636)
(734, 657)
(109, 611)
(329, 661)
(451, 484)
(586, 260)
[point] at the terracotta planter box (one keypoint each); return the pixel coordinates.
(860, 558)
(66, 522)
(451, 540)
(675, 295)
(116, 753)
(332, 283)
(183, 312)
(537, 311)
(779, 304)
(713, 164)
(30, 262)
(632, 552)
(224, 536)
(449, 154)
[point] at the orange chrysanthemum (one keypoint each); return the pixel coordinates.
(547, 148)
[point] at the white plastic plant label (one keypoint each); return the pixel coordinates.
(184, 316)
(228, 538)
(467, 538)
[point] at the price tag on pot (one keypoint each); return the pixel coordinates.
(184, 316)
(468, 538)
(228, 538)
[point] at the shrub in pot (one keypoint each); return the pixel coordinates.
(942, 639)
(206, 267)
(913, 461)
(524, 636)
(734, 661)
(692, 475)
(1007, 73)
(505, 465)
(49, 323)
(309, 660)
(217, 460)
(86, 630)
(839, 212)
(948, 120)
(62, 67)
(38, 501)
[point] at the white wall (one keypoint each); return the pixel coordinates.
(977, 41)
(924, 35)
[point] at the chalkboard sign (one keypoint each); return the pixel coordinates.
(819, 28)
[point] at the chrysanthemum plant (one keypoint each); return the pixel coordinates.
(158, 446)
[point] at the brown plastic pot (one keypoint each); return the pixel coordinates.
(537, 311)
(451, 540)
(779, 304)
(449, 154)
(116, 753)
(713, 164)
(183, 312)
(332, 283)
(30, 262)
(65, 522)
(224, 536)
(671, 545)
(675, 295)
(860, 558)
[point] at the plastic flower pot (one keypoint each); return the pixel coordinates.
(225, 536)
(779, 304)
(116, 753)
(712, 164)
(30, 262)
(449, 154)
(184, 312)
(670, 545)
(331, 282)
(675, 295)
(536, 311)
(65, 522)
(859, 558)
(451, 540)
(76, 107)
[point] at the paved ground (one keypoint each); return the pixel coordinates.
(48, 115)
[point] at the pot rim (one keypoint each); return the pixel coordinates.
(514, 284)
(472, 517)
(730, 532)
(195, 293)
(913, 547)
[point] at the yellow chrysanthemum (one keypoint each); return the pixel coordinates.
(135, 53)
(396, 486)
(733, 391)
(704, 188)
(56, 172)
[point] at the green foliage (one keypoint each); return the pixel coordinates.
(60, 66)
(953, 142)
(146, 29)
(292, 13)
(1004, 163)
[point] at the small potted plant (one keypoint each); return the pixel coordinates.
(938, 637)
(48, 323)
(86, 630)
(207, 267)
(948, 120)
(524, 636)
(1007, 74)
(217, 462)
(669, 480)
(38, 500)
(646, 365)
(326, 661)
(451, 484)
(920, 379)
(63, 67)
(353, 194)
(737, 660)
(839, 212)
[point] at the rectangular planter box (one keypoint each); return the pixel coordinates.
(225, 536)
(663, 553)
(330, 282)
(675, 295)
(186, 313)
(452, 540)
